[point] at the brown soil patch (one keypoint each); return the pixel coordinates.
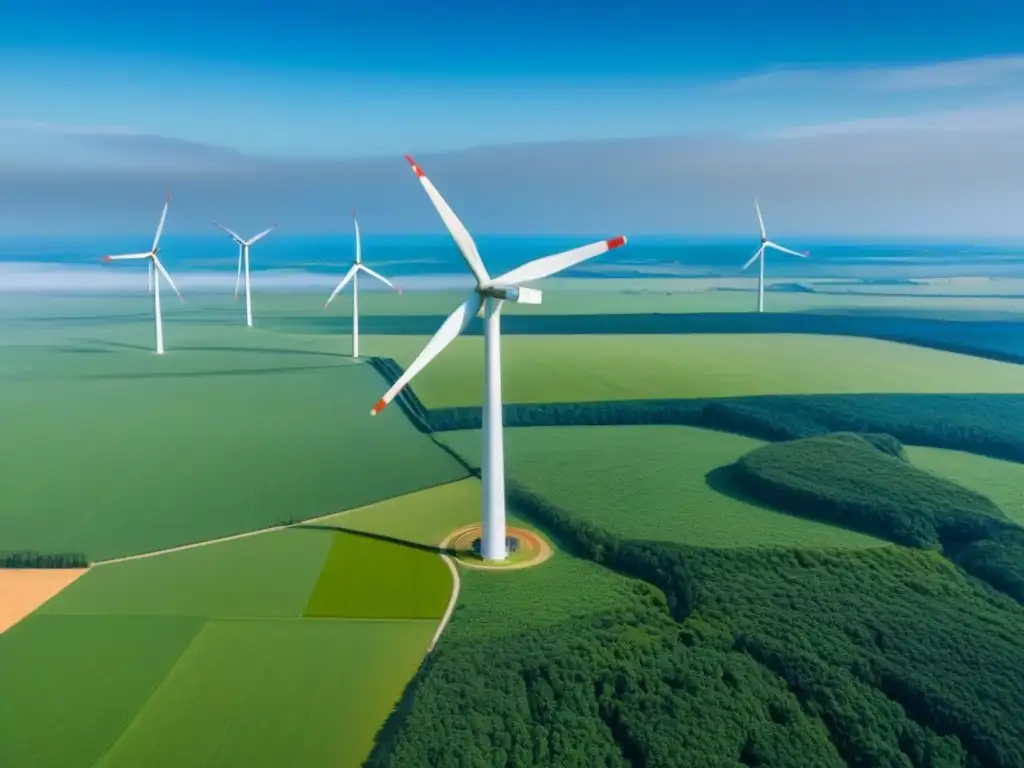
(461, 540)
(22, 590)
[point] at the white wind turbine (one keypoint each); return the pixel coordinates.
(759, 256)
(353, 275)
(488, 296)
(155, 270)
(243, 257)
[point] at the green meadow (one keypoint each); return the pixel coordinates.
(543, 369)
(1002, 481)
(114, 451)
(652, 482)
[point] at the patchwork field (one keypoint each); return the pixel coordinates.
(655, 483)
(240, 672)
(1001, 481)
(544, 369)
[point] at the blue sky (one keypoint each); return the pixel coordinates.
(120, 88)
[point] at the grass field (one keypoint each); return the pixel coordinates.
(269, 575)
(237, 674)
(544, 369)
(273, 693)
(1001, 481)
(652, 483)
(113, 451)
(370, 578)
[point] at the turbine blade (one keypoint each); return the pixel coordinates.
(160, 226)
(380, 277)
(359, 244)
(550, 265)
(342, 284)
(457, 229)
(234, 235)
(127, 257)
(167, 277)
(754, 257)
(238, 277)
(450, 328)
(770, 244)
(261, 235)
(760, 220)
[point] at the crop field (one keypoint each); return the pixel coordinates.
(114, 451)
(544, 369)
(656, 483)
(1002, 481)
(238, 674)
(371, 578)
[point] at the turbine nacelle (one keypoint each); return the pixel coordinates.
(516, 293)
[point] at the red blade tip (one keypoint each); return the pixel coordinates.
(416, 169)
(615, 242)
(378, 407)
(105, 258)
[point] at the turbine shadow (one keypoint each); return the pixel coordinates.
(378, 537)
(114, 344)
(204, 374)
(267, 350)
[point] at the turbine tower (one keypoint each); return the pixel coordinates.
(353, 275)
(156, 269)
(759, 256)
(488, 295)
(243, 257)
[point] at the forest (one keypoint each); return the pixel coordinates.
(880, 657)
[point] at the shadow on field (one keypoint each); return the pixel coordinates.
(269, 351)
(204, 374)
(94, 343)
(377, 537)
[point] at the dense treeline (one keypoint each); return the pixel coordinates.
(985, 424)
(994, 339)
(885, 657)
(844, 478)
(864, 482)
(28, 559)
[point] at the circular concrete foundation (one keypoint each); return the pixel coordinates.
(529, 549)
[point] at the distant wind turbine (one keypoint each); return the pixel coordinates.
(759, 256)
(353, 275)
(155, 270)
(243, 257)
(488, 295)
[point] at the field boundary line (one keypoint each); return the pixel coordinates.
(456, 586)
(257, 532)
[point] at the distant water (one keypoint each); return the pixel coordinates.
(429, 255)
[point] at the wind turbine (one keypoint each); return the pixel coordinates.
(243, 256)
(488, 296)
(759, 256)
(353, 275)
(155, 270)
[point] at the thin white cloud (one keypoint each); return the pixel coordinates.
(999, 119)
(958, 73)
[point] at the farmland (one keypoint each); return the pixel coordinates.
(113, 451)
(546, 369)
(656, 483)
(239, 676)
(769, 636)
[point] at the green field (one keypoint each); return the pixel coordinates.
(213, 660)
(370, 578)
(273, 693)
(1001, 481)
(543, 369)
(73, 683)
(268, 575)
(115, 451)
(651, 482)
(424, 517)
